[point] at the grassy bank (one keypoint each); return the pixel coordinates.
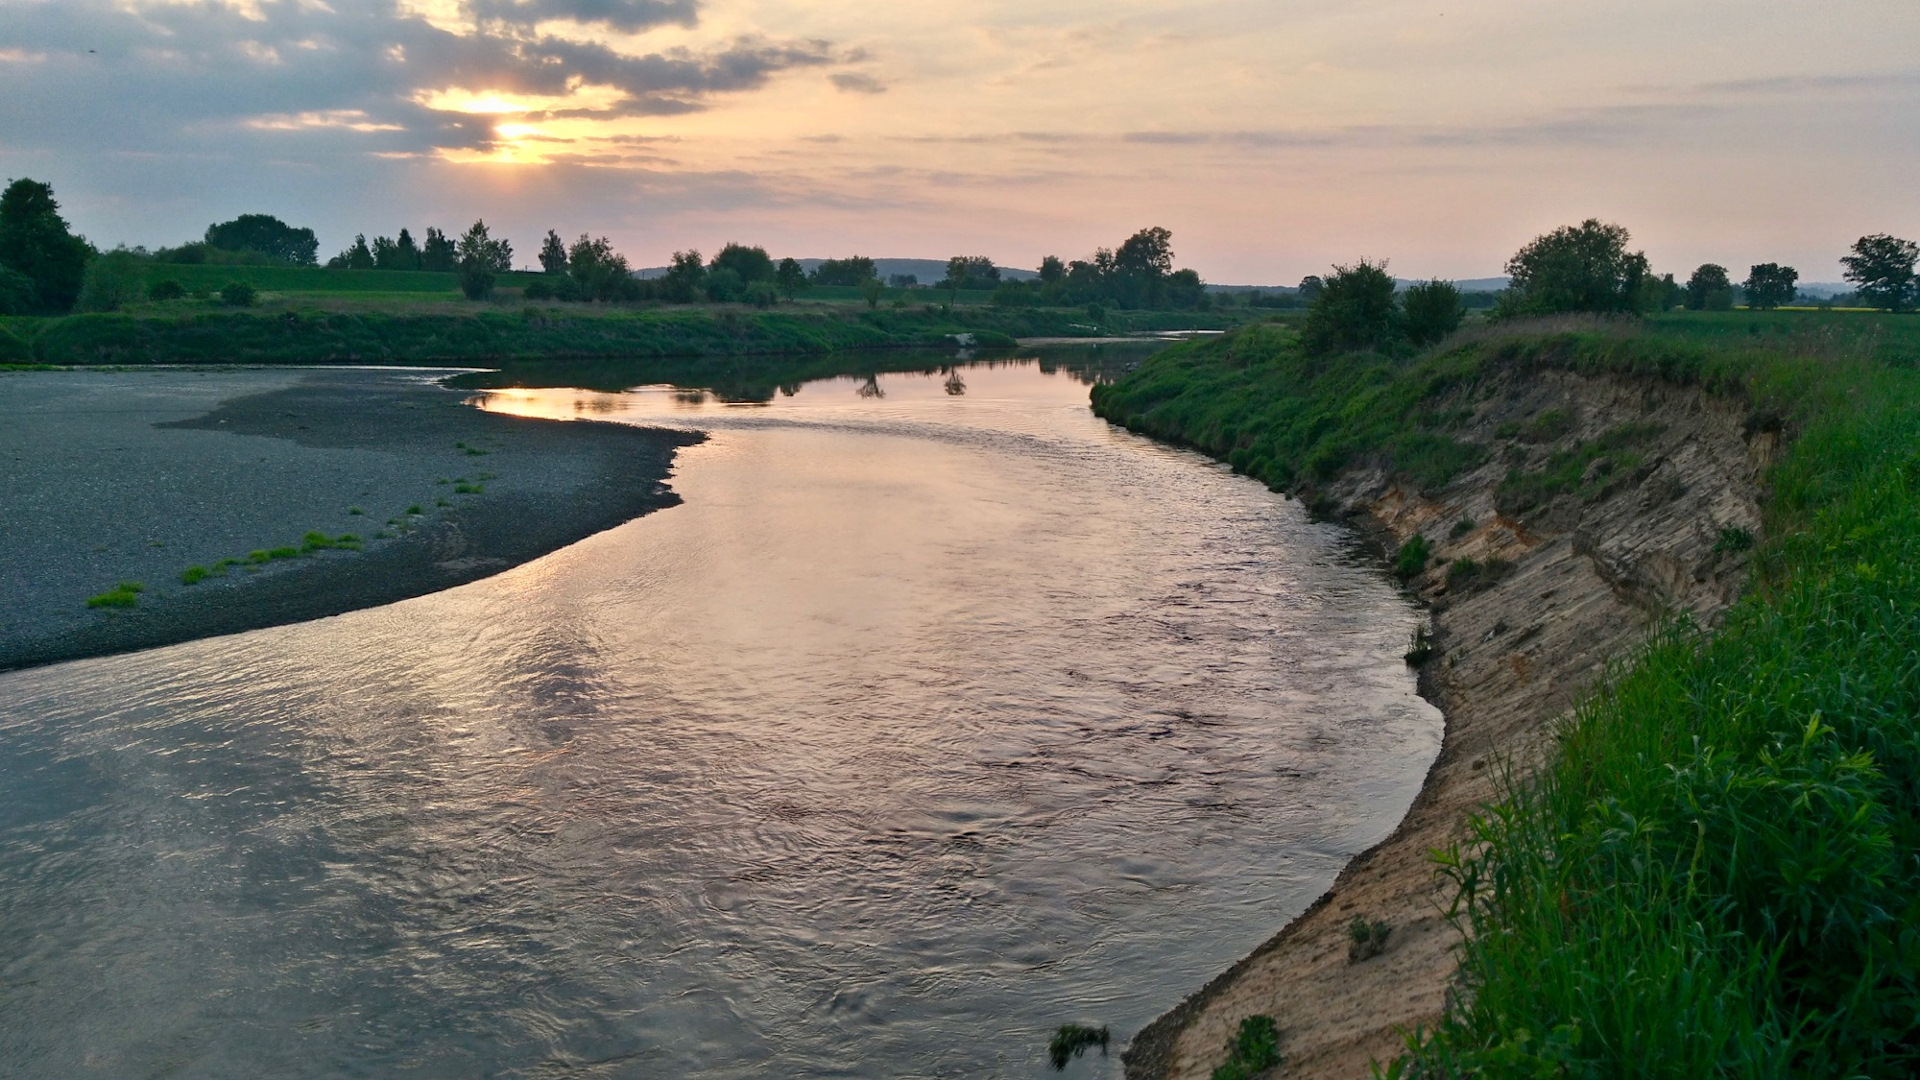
(494, 334)
(1718, 874)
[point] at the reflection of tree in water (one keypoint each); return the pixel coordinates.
(593, 405)
(690, 397)
(955, 384)
(871, 388)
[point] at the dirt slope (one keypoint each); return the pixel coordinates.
(1662, 472)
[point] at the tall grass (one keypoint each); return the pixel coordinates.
(1719, 873)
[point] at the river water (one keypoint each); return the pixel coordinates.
(940, 714)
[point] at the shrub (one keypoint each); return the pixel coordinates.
(1253, 1049)
(537, 289)
(238, 294)
(1366, 939)
(1461, 528)
(1354, 311)
(1412, 559)
(1733, 539)
(112, 281)
(1432, 311)
(13, 348)
(166, 290)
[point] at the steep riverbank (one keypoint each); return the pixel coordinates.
(297, 494)
(1708, 862)
(1561, 590)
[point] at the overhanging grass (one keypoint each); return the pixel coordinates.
(1719, 874)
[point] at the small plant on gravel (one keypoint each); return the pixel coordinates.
(194, 575)
(464, 488)
(124, 595)
(441, 502)
(284, 553)
(1461, 528)
(1253, 1049)
(415, 510)
(355, 511)
(1412, 558)
(1072, 1040)
(1733, 540)
(1420, 646)
(1366, 939)
(258, 555)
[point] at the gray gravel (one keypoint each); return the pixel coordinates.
(136, 475)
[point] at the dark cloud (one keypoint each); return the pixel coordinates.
(854, 82)
(627, 15)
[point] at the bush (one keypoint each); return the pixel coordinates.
(238, 294)
(17, 294)
(166, 290)
(761, 294)
(1412, 560)
(13, 348)
(112, 281)
(1253, 1049)
(1433, 310)
(537, 289)
(1354, 311)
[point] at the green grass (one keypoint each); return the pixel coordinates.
(124, 595)
(1718, 872)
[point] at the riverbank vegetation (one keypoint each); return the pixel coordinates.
(1717, 874)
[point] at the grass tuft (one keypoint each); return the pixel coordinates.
(124, 595)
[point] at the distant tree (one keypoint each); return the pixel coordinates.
(751, 263)
(358, 255)
(1709, 289)
(17, 294)
(553, 253)
(1014, 294)
(438, 253)
(1355, 310)
(870, 291)
(1052, 270)
(166, 289)
(479, 260)
(902, 281)
(1432, 311)
(1148, 253)
(386, 253)
(684, 277)
(1880, 265)
(267, 235)
(35, 241)
(597, 271)
(1769, 285)
(1310, 288)
(1584, 267)
(113, 280)
(790, 277)
(761, 294)
(1186, 292)
(1660, 293)
(406, 252)
(725, 286)
(969, 272)
(848, 271)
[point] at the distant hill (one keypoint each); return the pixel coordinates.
(927, 271)
(1485, 284)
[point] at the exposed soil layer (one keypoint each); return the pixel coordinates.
(120, 477)
(1648, 521)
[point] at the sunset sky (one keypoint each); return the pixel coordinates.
(1272, 137)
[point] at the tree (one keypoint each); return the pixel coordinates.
(1661, 293)
(599, 272)
(358, 255)
(1710, 289)
(112, 281)
(1354, 310)
(17, 294)
(237, 294)
(870, 291)
(1769, 285)
(725, 286)
(790, 278)
(1432, 311)
(1052, 270)
(1881, 265)
(1310, 288)
(267, 235)
(406, 252)
(1584, 267)
(553, 253)
(848, 271)
(438, 253)
(35, 241)
(684, 277)
(479, 260)
(969, 272)
(1186, 292)
(751, 263)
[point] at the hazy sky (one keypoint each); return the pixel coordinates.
(1273, 137)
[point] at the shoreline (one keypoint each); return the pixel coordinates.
(1585, 582)
(156, 475)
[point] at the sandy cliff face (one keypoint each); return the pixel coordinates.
(1579, 572)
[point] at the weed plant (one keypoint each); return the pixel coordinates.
(1412, 558)
(1254, 1049)
(124, 595)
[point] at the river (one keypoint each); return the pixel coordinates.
(940, 713)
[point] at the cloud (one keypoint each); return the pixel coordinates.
(854, 82)
(629, 16)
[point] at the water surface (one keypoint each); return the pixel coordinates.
(941, 713)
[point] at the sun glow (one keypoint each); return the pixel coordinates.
(580, 96)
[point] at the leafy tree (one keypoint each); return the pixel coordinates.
(761, 294)
(358, 256)
(870, 291)
(1661, 293)
(1186, 292)
(1769, 285)
(1052, 270)
(17, 294)
(112, 281)
(1710, 289)
(724, 286)
(849, 271)
(969, 272)
(438, 253)
(35, 241)
(1584, 267)
(480, 259)
(1432, 311)
(598, 271)
(1311, 287)
(1147, 253)
(267, 235)
(553, 253)
(751, 263)
(684, 277)
(790, 277)
(1881, 265)
(406, 252)
(1355, 310)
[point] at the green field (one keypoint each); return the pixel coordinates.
(1718, 875)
